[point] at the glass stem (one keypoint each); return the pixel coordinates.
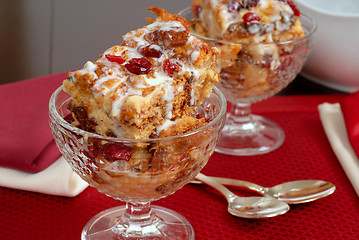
(240, 115)
(138, 214)
(138, 220)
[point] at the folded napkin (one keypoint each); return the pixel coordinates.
(26, 142)
(335, 128)
(30, 159)
(58, 179)
(350, 108)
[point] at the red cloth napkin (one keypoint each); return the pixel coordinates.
(350, 109)
(26, 142)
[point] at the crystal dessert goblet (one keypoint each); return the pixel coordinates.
(252, 72)
(158, 167)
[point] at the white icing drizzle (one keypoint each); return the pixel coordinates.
(253, 28)
(123, 94)
(194, 55)
(89, 68)
(278, 22)
(71, 76)
(166, 124)
(160, 77)
(192, 97)
(119, 75)
(263, 4)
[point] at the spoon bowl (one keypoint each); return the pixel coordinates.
(294, 192)
(247, 207)
(256, 207)
(301, 191)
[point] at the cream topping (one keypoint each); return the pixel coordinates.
(278, 16)
(115, 74)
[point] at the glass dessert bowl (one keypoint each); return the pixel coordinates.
(137, 171)
(252, 72)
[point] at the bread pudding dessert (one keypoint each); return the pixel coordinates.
(154, 80)
(248, 21)
(149, 87)
(254, 48)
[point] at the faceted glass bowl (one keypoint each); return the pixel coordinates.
(137, 171)
(252, 72)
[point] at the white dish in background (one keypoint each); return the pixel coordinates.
(329, 84)
(334, 59)
(333, 7)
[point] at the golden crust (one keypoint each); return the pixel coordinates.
(165, 16)
(131, 105)
(149, 86)
(248, 70)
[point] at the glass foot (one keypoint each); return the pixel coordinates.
(252, 138)
(112, 224)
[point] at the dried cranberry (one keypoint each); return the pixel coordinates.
(171, 67)
(294, 7)
(69, 118)
(250, 17)
(149, 51)
(92, 151)
(138, 66)
(114, 58)
(196, 9)
(116, 151)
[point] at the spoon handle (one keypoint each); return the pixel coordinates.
(213, 183)
(240, 183)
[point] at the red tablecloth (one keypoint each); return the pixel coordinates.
(305, 154)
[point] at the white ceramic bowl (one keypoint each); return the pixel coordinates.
(334, 60)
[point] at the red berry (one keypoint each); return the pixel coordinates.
(196, 9)
(250, 17)
(114, 58)
(92, 151)
(171, 67)
(294, 7)
(69, 118)
(149, 51)
(138, 66)
(116, 151)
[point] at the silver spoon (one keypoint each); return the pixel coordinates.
(294, 192)
(247, 207)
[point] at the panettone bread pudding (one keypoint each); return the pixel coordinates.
(251, 21)
(144, 97)
(256, 39)
(147, 86)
